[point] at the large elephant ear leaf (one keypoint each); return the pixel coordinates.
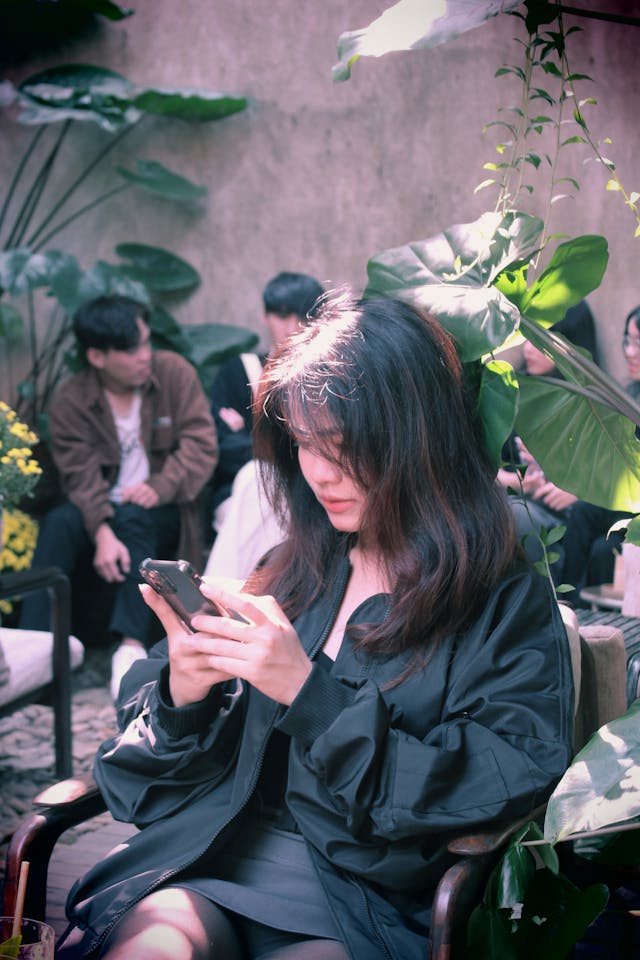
(77, 92)
(155, 178)
(414, 25)
(194, 105)
(601, 787)
(497, 406)
(576, 268)
(568, 431)
(157, 268)
(451, 275)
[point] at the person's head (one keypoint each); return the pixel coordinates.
(367, 433)
(577, 326)
(289, 300)
(113, 332)
(631, 343)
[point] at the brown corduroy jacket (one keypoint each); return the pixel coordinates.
(177, 432)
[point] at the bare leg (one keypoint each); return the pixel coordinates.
(173, 924)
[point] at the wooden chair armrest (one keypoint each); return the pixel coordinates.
(57, 808)
(493, 838)
(461, 886)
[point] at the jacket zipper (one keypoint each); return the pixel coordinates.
(377, 932)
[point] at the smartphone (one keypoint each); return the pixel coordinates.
(179, 583)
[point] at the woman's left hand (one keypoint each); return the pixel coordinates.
(265, 651)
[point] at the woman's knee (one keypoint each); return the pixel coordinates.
(173, 924)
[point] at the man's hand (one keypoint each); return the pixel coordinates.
(232, 418)
(111, 559)
(141, 494)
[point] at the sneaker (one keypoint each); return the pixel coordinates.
(123, 658)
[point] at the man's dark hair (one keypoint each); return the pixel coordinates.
(109, 323)
(289, 293)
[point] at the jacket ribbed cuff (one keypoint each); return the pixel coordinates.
(318, 704)
(192, 718)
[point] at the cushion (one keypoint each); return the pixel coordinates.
(27, 655)
(4, 668)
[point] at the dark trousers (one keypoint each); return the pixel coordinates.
(588, 552)
(63, 542)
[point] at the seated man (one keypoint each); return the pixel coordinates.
(288, 301)
(134, 443)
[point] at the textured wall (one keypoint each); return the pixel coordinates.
(318, 176)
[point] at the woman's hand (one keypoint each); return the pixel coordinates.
(191, 674)
(265, 651)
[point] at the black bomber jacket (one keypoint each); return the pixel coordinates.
(380, 776)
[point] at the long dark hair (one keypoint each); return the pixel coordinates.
(388, 382)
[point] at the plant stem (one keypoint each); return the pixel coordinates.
(35, 191)
(78, 213)
(18, 174)
(80, 179)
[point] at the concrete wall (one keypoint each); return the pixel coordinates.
(318, 176)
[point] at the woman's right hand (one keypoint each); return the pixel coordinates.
(190, 674)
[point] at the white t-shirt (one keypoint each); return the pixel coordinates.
(134, 463)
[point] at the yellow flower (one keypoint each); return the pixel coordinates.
(19, 470)
(20, 532)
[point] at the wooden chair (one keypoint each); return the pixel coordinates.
(71, 802)
(473, 856)
(49, 660)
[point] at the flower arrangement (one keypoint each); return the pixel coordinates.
(16, 553)
(19, 471)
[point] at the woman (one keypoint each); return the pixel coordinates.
(402, 677)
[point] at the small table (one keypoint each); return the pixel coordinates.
(605, 596)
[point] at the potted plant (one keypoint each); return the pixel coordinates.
(56, 102)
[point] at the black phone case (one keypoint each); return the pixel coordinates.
(178, 582)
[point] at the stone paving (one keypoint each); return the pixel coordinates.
(27, 744)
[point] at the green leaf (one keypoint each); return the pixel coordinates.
(22, 271)
(167, 334)
(156, 268)
(576, 268)
(210, 344)
(11, 947)
(556, 914)
(508, 882)
(194, 105)
(104, 279)
(77, 92)
(158, 179)
(601, 788)
(451, 276)
(568, 432)
(497, 406)
(414, 25)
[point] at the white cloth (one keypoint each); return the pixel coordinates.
(249, 528)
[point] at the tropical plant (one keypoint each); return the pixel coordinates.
(491, 282)
(56, 101)
(487, 281)
(530, 907)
